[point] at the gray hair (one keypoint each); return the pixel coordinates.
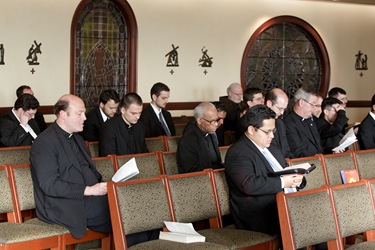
(231, 87)
(303, 94)
(201, 108)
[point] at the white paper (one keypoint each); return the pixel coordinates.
(305, 165)
(127, 171)
(183, 228)
(348, 139)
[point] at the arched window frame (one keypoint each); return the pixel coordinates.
(317, 41)
(132, 43)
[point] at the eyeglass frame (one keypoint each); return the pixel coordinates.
(280, 109)
(313, 105)
(273, 131)
(213, 121)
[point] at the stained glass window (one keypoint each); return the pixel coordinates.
(101, 52)
(287, 56)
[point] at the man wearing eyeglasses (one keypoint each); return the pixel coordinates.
(277, 101)
(253, 96)
(232, 106)
(301, 131)
(18, 127)
(248, 166)
(198, 147)
(331, 123)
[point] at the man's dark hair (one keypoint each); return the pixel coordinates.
(109, 94)
(219, 106)
(329, 101)
(270, 95)
(130, 98)
(26, 102)
(372, 102)
(255, 116)
(157, 88)
(20, 89)
(334, 92)
(61, 105)
(248, 94)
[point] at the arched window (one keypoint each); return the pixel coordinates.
(103, 52)
(288, 53)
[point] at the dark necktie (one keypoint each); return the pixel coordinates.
(165, 127)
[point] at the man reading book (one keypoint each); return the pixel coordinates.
(249, 165)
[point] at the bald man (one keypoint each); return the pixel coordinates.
(68, 189)
(277, 100)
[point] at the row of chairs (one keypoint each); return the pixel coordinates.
(142, 205)
(161, 143)
(149, 164)
(329, 167)
(328, 214)
(20, 229)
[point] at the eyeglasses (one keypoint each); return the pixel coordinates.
(268, 132)
(213, 121)
(312, 105)
(281, 109)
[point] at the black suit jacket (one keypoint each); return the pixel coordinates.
(59, 181)
(11, 132)
(153, 127)
(233, 113)
(331, 134)
(303, 136)
(252, 191)
(114, 138)
(366, 133)
(94, 121)
(39, 118)
(192, 153)
(279, 140)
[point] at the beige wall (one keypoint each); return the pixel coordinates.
(223, 26)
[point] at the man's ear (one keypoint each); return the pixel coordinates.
(154, 97)
(251, 130)
(325, 111)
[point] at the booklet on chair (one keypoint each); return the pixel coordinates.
(127, 171)
(181, 232)
(349, 176)
(303, 168)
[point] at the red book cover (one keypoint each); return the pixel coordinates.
(349, 176)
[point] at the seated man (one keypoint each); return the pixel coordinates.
(331, 123)
(67, 187)
(277, 100)
(366, 131)
(198, 148)
(232, 107)
(123, 134)
(108, 104)
(252, 97)
(157, 120)
(39, 118)
(18, 127)
(248, 164)
(301, 132)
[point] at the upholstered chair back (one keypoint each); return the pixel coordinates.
(105, 166)
(334, 163)
(365, 162)
(170, 163)
(156, 144)
(15, 155)
(147, 163)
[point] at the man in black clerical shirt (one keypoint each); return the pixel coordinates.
(124, 134)
(301, 132)
(198, 148)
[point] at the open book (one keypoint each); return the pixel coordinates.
(348, 139)
(181, 232)
(127, 171)
(303, 168)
